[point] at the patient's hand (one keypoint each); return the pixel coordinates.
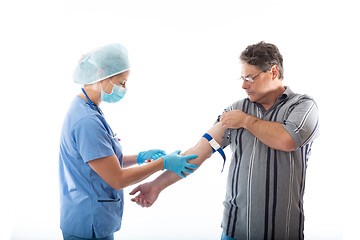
(234, 119)
(147, 196)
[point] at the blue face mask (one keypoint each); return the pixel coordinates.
(116, 95)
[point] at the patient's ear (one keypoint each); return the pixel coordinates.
(275, 72)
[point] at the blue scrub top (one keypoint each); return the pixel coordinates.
(87, 202)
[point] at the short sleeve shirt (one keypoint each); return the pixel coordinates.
(265, 186)
(88, 203)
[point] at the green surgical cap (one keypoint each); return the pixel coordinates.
(101, 63)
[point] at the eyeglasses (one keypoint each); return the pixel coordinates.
(250, 79)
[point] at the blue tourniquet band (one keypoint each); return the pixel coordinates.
(220, 150)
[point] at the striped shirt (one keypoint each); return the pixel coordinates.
(265, 187)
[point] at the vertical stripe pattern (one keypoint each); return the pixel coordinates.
(235, 178)
(266, 186)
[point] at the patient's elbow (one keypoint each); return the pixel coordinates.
(288, 145)
(208, 154)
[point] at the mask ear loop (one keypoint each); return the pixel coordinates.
(102, 89)
(113, 85)
(111, 81)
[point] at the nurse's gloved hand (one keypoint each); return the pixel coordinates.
(178, 164)
(151, 154)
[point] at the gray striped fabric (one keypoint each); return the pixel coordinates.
(265, 187)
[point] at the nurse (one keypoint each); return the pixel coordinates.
(92, 168)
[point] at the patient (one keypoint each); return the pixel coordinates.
(270, 133)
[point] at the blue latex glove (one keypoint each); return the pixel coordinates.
(151, 154)
(177, 163)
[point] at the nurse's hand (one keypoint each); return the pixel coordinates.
(147, 196)
(178, 164)
(151, 154)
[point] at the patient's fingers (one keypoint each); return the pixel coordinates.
(135, 190)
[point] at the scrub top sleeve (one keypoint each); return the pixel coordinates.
(302, 121)
(92, 139)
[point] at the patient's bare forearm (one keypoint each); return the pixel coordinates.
(202, 149)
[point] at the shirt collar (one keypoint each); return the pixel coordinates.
(287, 93)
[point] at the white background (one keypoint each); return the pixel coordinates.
(184, 66)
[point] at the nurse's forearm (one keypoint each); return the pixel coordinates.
(129, 160)
(109, 169)
(202, 149)
(130, 176)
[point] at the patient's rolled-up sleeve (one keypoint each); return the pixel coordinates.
(302, 121)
